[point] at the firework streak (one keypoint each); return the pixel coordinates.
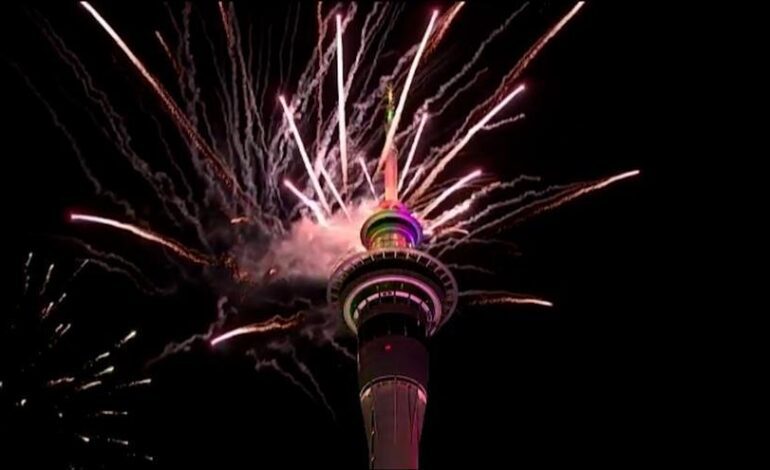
(274, 324)
(481, 297)
(147, 235)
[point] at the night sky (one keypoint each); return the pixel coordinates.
(509, 386)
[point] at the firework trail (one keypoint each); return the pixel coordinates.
(226, 24)
(171, 58)
(222, 315)
(504, 122)
(131, 335)
(113, 263)
(444, 22)
(274, 324)
(507, 82)
(341, 109)
(368, 177)
(303, 153)
(449, 191)
(466, 204)
(147, 235)
(334, 191)
(179, 116)
(50, 390)
(307, 373)
(135, 383)
(463, 142)
(26, 272)
(273, 364)
(484, 191)
(282, 201)
(111, 413)
(469, 267)
(412, 150)
(447, 85)
(481, 297)
(341, 349)
(288, 350)
(47, 279)
(535, 49)
(319, 215)
(386, 148)
(88, 385)
(539, 206)
(565, 198)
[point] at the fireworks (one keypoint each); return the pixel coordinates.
(412, 151)
(341, 109)
(287, 182)
(402, 99)
(53, 391)
(147, 235)
(328, 176)
(173, 109)
(481, 297)
(319, 216)
(274, 324)
(303, 153)
(464, 141)
(448, 192)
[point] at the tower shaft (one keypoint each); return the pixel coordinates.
(393, 297)
(393, 378)
(393, 416)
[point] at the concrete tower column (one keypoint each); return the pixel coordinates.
(393, 297)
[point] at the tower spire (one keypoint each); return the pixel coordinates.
(391, 161)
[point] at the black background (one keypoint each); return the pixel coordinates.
(577, 383)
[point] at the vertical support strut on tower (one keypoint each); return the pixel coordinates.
(393, 297)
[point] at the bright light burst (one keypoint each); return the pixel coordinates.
(281, 198)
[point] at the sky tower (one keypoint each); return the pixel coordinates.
(393, 297)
